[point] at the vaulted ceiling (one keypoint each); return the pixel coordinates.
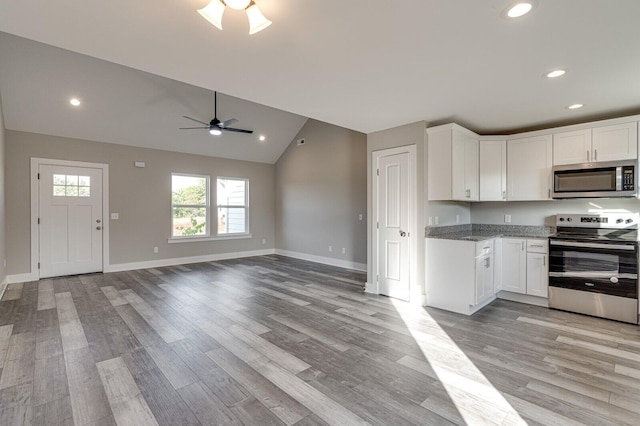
(362, 64)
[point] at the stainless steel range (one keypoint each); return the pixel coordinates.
(593, 265)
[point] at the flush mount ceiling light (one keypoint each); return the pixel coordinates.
(215, 9)
(74, 101)
(519, 8)
(555, 73)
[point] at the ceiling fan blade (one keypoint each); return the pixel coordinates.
(231, 129)
(228, 122)
(189, 128)
(193, 119)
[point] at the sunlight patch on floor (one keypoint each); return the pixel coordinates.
(476, 399)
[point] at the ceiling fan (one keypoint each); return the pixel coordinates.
(215, 126)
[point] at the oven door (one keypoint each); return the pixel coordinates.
(603, 268)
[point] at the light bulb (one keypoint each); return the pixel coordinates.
(257, 21)
(213, 12)
(215, 132)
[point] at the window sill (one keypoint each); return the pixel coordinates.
(176, 240)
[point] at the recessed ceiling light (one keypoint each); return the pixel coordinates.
(555, 73)
(519, 8)
(74, 101)
(262, 138)
(575, 106)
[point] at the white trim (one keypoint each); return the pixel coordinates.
(372, 288)
(3, 287)
(22, 278)
(523, 298)
(175, 240)
(35, 240)
(414, 234)
(325, 260)
(186, 260)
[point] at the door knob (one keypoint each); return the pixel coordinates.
(403, 234)
(98, 227)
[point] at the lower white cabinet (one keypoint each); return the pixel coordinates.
(459, 274)
(524, 266)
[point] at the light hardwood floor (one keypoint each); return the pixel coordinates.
(273, 340)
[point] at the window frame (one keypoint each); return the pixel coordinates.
(245, 206)
(206, 206)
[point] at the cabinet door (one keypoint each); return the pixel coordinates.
(537, 274)
(484, 278)
(514, 265)
(493, 170)
(529, 168)
(572, 147)
(464, 166)
(439, 165)
(617, 142)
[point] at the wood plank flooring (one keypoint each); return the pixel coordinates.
(278, 341)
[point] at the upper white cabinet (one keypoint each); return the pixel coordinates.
(529, 162)
(453, 160)
(493, 170)
(605, 143)
(572, 147)
(617, 142)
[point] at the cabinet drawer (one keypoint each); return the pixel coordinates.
(484, 247)
(537, 246)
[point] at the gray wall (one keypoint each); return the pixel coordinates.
(320, 193)
(543, 212)
(141, 197)
(3, 271)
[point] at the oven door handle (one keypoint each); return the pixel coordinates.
(625, 247)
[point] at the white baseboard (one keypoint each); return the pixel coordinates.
(325, 260)
(371, 288)
(185, 260)
(523, 298)
(21, 278)
(3, 287)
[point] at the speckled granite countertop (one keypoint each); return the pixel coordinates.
(481, 232)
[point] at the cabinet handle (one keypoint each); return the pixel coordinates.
(468, 193)
(487, 262)
(537, 245)
(544, 261)
(595, 155)
(587, 156)
(504, 195)
(523, 246)
(548, 192)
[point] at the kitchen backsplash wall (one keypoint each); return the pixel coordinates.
(447, 213)
(538, 213)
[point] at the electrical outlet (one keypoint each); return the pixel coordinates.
(344, 250)
(264, 241)
(436, 220)
(457, 218)
(507, 218)
(155, 249)
(430, 220)
(330, 249)
(360, 216)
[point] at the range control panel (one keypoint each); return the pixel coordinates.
(601, 220)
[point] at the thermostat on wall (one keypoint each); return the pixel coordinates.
(140, 164)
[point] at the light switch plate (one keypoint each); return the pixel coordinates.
(115, 216)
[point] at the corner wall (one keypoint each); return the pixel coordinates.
(3, 245)
(320, 190)
(141, 196)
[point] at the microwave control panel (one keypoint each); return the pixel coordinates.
(628, 178)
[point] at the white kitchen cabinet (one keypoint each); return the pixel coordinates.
(459, 274)
(616, 142)
(537, 268)
(493, 170)
(604, 143)
(572, 147)
(513, 275)
(452, 163)
(529, 162)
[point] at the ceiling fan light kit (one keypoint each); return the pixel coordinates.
(215, 9)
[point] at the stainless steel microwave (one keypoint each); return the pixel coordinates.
(595, 180)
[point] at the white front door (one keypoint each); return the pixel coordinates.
(393, 204)
(70, 218)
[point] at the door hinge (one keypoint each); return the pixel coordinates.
(38, 221)
(377, 172)
(377, 225)
(38, 175)
(377, 278)
(38, 265)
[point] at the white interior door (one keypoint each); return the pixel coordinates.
(393, 205)
(70, 218)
